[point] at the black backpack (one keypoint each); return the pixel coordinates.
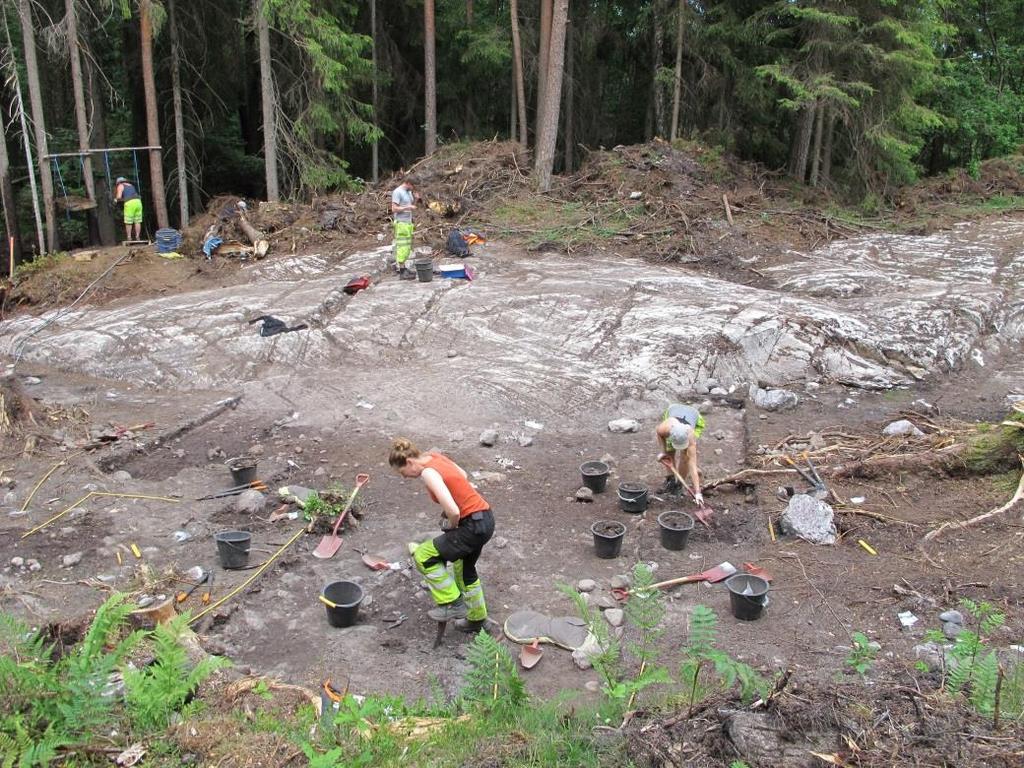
(457, 245)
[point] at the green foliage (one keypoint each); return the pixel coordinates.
(607, 660)
(706, 669)
(994, 448)
(493, 679)
(160, 689)
(862, 654)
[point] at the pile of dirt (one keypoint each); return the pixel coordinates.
(1001, 176)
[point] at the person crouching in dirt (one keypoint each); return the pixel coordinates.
(677, 433)
(125, 192)
(403, 203)
(467, 524)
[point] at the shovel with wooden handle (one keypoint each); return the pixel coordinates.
(720, 572)
(703, 512)
(331, 543)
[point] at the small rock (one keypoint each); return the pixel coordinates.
(250, 502)
(586, 585)
(812, 386)
(615, 616)
(620, 581)
(178, 453)
(718, 392)
(952, 616)
(17, 562)
(903, 427)
(33, 564)
(525, 441)
(181, 536)
(10, 499)
(320, 472)
(810, 519)
(90, 487)
(594, 686)
(31, 381)
(604, 602)
(620, 426)
(121, 476)
(635, 194)
(69, 561)
(586, 598)
(489, 477)
(256, 450)
(457, 436)
(773, 399)
(215, 453)
(784, 493)
(719, 434)
(585, 495)
(924, 405)
(718, 451)
(488, 437)
(145, 601)
(936, 656)
(951, 629)
(500, 542)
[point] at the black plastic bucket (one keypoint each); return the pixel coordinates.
(595, 475)
(748, 595)
(346, 595)
(424, 270)
(632, 497)
(243, 469)
(675, 529)
(233, 548)
(608, 536)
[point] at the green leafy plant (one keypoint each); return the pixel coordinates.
(862, 654)
(492, 680)
(705, 668)
(162, 688)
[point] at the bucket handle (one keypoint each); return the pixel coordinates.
(234, 544)
(632, 498)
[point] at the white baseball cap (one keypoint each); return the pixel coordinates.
(681, 434)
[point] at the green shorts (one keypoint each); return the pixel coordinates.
(133, 211)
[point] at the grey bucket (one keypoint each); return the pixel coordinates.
(748, 595)
(632, 497)
(346, 595)
(233, 548)
(424, 270)
(243, 469)
(595, 475)
(674, 532)
(607, 545)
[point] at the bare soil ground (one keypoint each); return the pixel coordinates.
(819, 596)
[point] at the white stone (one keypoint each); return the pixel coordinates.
(620, 426)
(774, 399)
(488, 437)
(810, 519)
(17, 562)
(250, 502)
(71, 560)
(615, 616)
(121, 476)
(903, 427)
(586, 585)
(584, 494)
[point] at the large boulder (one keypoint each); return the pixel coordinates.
(774, 399)
(810, 519)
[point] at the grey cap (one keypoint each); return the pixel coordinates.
(119, 179)
(681, 435)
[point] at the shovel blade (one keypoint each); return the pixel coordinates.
(327, 547)
(376, 563)
(529, 655)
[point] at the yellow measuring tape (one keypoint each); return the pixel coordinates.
(88, 496)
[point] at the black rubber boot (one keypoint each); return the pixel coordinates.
(472, 627)
(406, 274)
(671, 485)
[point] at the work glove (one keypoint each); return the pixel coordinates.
(699, 498)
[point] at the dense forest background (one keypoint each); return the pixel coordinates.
(857, 98)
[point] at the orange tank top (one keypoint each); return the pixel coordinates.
(465, 495)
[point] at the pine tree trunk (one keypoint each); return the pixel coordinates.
(430, 78)
(179, 117)
(569, 94)
(543, 59)
(826, 152)
(98, 136)
(517, 72)
(553, 94)
(156, 166)
(10, 206)
(819, 122)
(467, 99)
(269, 102)
(78, 88)
(657, 52)
(374, 148)
(802, 144)
(677, 86)
(39, 123)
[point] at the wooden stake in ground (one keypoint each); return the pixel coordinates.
(956, 525)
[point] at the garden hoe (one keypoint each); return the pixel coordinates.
(720, 572)
(703, 512)
(331, 543)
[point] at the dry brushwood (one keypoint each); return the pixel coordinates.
(956, 525)
(16, 408)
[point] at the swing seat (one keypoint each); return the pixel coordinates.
(75, 203)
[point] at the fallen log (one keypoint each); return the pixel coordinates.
(956, 525)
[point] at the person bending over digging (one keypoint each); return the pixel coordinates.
(125, 192)
(677, 433)
(467, 524)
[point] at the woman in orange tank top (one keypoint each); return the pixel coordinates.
(467, 524)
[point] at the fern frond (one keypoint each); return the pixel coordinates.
(493, 679)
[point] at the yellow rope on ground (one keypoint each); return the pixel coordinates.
(45, 477)
(251, 579)
(88, 496)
